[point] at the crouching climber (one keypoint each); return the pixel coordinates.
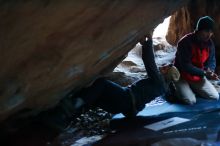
(127, 100)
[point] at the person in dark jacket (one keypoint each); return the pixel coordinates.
(195, 59)
(127, 100)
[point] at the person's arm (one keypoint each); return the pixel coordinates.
(149, 60)
(184, 58)
(211, 62)
(150, 65)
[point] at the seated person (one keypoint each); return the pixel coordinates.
(195, 59)
(127, 100)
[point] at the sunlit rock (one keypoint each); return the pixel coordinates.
(185, 19)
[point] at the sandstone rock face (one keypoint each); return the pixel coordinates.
(184, 20)
(49, 48)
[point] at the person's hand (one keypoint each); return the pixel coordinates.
(142, 40)
(211, 75)
(148, 36)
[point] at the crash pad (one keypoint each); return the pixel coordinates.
(165, 107)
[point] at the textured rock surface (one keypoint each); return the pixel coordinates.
(51, 47)
(184, 20)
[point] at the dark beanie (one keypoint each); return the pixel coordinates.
(205, 23)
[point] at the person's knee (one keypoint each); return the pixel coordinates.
(189, 101)
(214, 95)
(192, 101)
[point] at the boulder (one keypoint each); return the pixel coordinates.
(49, 48)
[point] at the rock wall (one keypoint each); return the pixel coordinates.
(184, 21)
(49, 48)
